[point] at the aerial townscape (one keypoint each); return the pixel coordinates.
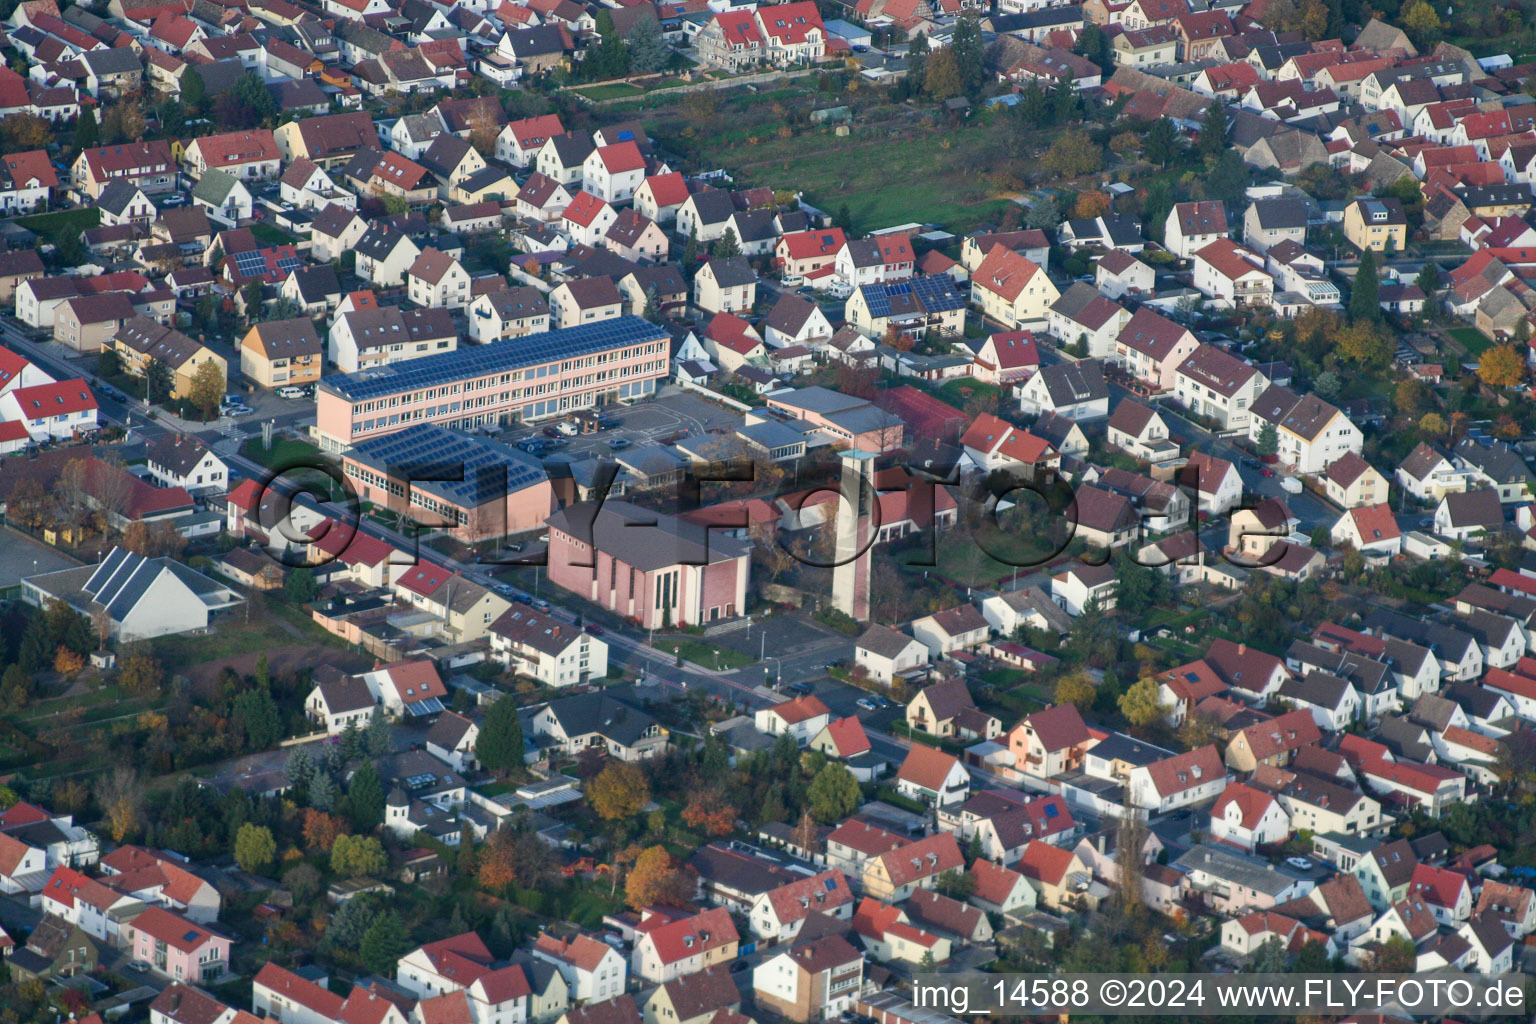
(708, 511)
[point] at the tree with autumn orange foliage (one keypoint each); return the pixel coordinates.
(67, 663)
(709, 810)
(497, 867)
(1090, 205)
(620, 790)
(321, 830)
(656, 879)
(1501, 366)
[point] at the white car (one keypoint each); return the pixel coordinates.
(291, 392)
(1299, 863)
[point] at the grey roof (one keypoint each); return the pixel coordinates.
(1073, 383)
(316, 284)
(1497, 461)
(1284, 212)
(642, 538)
(123, 578)
(599, 713)
(178, 453)
(884, 641)
(116, 195)
(115, 60)
(1239, 868)
(1033, 599)
(732, 272)
(214, 186)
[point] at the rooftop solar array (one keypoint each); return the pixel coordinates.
(497, 357)
(466, 470)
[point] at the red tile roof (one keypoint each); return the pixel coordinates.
(926, 767)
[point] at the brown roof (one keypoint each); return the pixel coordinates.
(1173, 775)
(934, 910)
(948, 698)
(701, 992)
(1058, 727)
(1289, 731)
(284, 339)
(927, 767)
(923, 859)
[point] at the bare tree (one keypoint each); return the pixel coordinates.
(111, 490)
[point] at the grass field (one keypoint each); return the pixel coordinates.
(958, 392)
(285, 452)
(705, 654)
(923, 177)
(1473, 340)
(612, 91)
(963, 560)
(61, 223)
(268, 233)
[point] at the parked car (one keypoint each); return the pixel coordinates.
(291, 392)
(594, 630)
(620, 443)
(867, 704)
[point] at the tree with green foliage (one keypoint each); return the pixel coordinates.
(1139, 587)
(256, 715)
(254, 848)
(323, 791)
(207, 388)
(499, 747)
(108, 364)
(691, 253)
(1227, 178)
(365, 792)
(1268, 441)
(917, 59)
(157, 380)
(966, 44)
(1365, 293)
(194, 91)
(1034, 110)
(1139, 703)
(351, 921)
(376, 739)
(1213, 131)
(358, 857)
(1092, 44)
(300, 587)
(648, 51)
(833, 793)
(943, 79)
(609, 58)
(1428, 281)
(1073, 154)
(246, 104)
(1064, 101)
(299, 770)
(1161, 146)
(726, 246)
(87, 131)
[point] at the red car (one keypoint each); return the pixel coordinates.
(1266, 471)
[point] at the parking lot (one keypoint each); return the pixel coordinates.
(671, 415)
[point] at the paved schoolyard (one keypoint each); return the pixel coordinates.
(21, 556)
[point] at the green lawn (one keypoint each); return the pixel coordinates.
(268, 233)
(1473, 340)
(931, 174)
(285, 452)
(613, 91)
(701, 653)
(966, 563)
(61, 223)
(958, 392)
